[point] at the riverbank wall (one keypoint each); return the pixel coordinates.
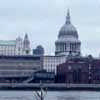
(51, 86)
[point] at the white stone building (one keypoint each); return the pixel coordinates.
(68, 43)
(7, 47)
(26, 45)
(50, 62)
(15, 47)
(19, 46)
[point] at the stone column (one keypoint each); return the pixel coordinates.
(75, 47)
(64, 47)
(70, 47)
(60, 47)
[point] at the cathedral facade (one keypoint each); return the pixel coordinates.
(68, 43)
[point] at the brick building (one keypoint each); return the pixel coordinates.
(81, 70)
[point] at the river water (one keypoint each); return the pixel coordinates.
(57, 95)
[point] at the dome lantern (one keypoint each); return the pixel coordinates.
(68, 29)
(68, 17)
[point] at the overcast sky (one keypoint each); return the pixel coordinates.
(42, 20)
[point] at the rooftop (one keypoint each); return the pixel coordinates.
(7, 42)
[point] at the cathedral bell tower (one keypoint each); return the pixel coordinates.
(26, 45)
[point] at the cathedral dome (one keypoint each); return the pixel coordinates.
(68, 29)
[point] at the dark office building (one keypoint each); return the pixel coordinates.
(39, 51)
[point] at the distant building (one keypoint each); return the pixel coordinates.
(15, 47)
(19, 46)
(39, 51)
(50, 62)
(26, 45)
(18, 68)
(66, 46)
(68, 42)
(8, 47)
(79, 70)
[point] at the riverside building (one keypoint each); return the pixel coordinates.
(50, 62)
(19, 68)
(67, 45)
(79, 70)
(15, 47)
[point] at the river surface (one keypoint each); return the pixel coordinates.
(58, 95)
